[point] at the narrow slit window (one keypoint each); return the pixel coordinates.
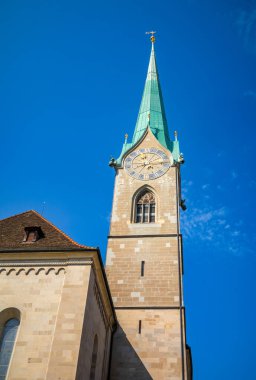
(140, 326)
(145, 209)
(142, 269)
(94, 358)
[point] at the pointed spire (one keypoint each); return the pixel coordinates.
(152, 113)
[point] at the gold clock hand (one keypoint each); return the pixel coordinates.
(138, 165)
(155, 159)
(155, 163)
(141, 169)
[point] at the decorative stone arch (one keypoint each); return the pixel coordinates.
(19, 271)
(50, 270)
(38, 271)
(150, 197)
(30, 270)
(9, 324)
(60, 270)
(10, 271)
(94, 358)
(6, 314)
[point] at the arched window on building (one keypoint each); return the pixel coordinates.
(94, 358)
(145, 207)
(7, 340)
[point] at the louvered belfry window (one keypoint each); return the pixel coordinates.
(145, 208)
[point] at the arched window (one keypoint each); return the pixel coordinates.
(6, 345)
(145, 208)
(94, 358)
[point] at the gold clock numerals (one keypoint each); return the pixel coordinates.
(147, 164)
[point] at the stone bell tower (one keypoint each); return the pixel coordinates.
(144, 255)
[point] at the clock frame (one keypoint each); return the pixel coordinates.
(147, 163)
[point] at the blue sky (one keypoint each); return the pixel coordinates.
(72, 75)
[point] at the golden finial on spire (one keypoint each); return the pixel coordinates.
(152, 38)
(125, 138)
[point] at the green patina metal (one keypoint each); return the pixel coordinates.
(151, 115)
(152, 111)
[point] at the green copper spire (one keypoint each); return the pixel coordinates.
(152, 113)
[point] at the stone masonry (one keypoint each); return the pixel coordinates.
(61, 298)
(149, 342)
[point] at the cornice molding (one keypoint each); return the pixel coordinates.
(37, 263)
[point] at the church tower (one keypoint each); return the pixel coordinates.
(144, 255)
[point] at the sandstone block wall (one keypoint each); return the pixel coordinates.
(152, 353)
(68, 329)
(61, 308)
(159, 286)
(95, 323)
(126, 187)
(149, 301)
(37, 296)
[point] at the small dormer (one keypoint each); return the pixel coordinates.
(32, 234)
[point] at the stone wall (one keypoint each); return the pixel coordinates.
(149, 342)
(69, 322)
(160, 284)
(61, 308)
(36, 293)
(126, 187)
(153, 352)
(95, 323)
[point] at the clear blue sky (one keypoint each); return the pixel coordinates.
(72, 75)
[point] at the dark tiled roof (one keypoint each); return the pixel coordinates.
(12, 232)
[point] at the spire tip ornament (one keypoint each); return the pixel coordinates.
(152, 37)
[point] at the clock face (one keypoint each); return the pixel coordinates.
(147, 163)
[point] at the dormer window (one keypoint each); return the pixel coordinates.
(32, 234)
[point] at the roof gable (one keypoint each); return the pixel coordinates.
(13, 229)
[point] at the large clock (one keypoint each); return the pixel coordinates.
(147, 163)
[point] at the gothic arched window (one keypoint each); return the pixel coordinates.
(6, 345)
(145, 208)
(94, 358)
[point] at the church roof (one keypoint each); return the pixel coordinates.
(151, 114)
(15, 230)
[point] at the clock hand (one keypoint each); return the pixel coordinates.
(141, 169)
(155, 163)
(154, 159)
(161, 162)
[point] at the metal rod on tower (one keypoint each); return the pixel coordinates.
(152, 38)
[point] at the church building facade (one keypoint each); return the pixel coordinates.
(63, 316)
(56, 312)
